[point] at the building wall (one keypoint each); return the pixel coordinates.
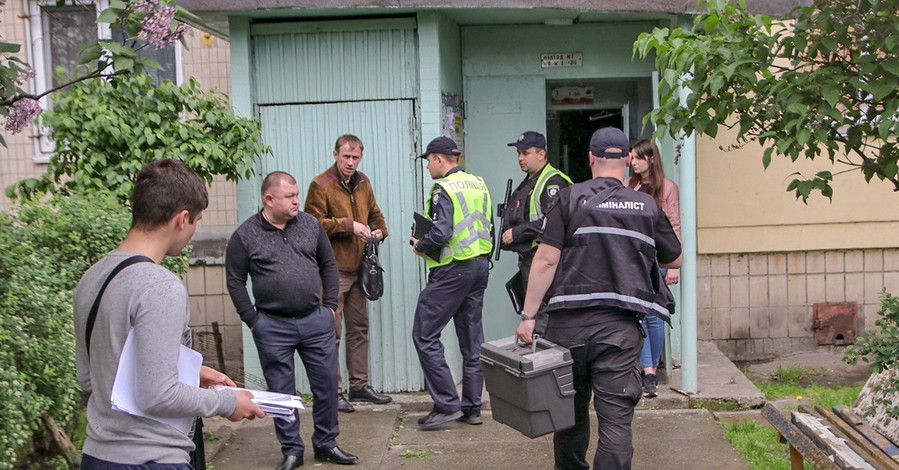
(760, 304)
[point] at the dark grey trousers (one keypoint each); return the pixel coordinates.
(313, 338)
(606, 367)
(454, 292)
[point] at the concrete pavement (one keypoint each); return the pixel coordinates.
(673, 430)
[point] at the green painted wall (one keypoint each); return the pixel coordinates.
(505, 90)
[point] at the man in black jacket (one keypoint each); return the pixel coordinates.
(611, 256)
(288, 255)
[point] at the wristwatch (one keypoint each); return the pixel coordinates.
(528, 317)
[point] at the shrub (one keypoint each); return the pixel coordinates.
(45, 247)
(880, 349)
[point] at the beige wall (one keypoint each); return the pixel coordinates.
(743, 208)
(206, 58)
(761, 304)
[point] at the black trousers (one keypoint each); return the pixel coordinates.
(312, 336)
(454, 292)
(606, 367)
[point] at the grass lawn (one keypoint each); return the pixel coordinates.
(758, 444)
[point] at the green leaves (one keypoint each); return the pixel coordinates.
(105, 131)
(824, 83)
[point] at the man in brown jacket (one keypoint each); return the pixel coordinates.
(343, 201)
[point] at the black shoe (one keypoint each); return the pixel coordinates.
(291, 462)
(472, 417)
(650, 386)
(367, 393)
(435, 419)
(344, 406)
(336, 455)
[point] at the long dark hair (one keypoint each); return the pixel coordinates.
(655, 186)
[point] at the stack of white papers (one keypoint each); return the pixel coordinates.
(278, 405)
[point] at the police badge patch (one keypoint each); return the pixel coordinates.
(435, 196)
(552, 190)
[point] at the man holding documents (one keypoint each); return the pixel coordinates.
(288, 255)
(456, 249)
(127, 293)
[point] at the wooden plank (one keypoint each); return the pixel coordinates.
(874, 454)
(870, 432)
(821, 435)
(798, 442)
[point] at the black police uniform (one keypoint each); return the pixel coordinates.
(610, 278)
(517, 217)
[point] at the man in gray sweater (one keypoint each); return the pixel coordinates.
(150, 302)
(288, 255)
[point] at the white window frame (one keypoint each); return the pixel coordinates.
(43, 79)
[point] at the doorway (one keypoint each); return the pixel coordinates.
(569, 135)
(575, 108)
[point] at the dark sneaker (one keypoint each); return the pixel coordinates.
(435, 419)
(368, 394)
(650, 386)
(473, 417)
(344, 406)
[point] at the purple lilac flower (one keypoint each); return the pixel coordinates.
(155, 28)
(144, 5)
(21, 113)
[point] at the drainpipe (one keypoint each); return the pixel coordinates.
(687, 167)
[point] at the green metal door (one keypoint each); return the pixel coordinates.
(314, 81)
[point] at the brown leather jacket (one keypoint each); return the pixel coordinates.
(336, 206)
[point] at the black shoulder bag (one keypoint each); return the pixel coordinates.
(198, 455)
(372, 275)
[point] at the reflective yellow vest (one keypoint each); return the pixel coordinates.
(472, 216)
(535, 212)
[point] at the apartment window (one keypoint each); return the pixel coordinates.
(58, 33)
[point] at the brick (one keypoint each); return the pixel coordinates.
(799, 321)
(739, 323)
(720, 265)
(815, 288)
(739, 291)
(758, 264)
(778, 321)
(758, 323)
(834, 262)
(739, 265)
(215, 280)
(835, 287)
(796, 290)
(891, 260)
(854, 261)
(214, 308)
(195, 280)
(777, 290)
(873, 260)
(758, 291)
(704, 324)
(891, 282)
(703, 266)
(777, 263)
(814, 262)
(855, 287)
(873, 286)
(720, 323)
(197, 311)
(704, 292)
(720, 292)
(796, 263)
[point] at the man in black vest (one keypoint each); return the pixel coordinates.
(611, 241)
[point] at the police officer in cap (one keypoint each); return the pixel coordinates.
(456, 251)
(611, 241)
(524, 212)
